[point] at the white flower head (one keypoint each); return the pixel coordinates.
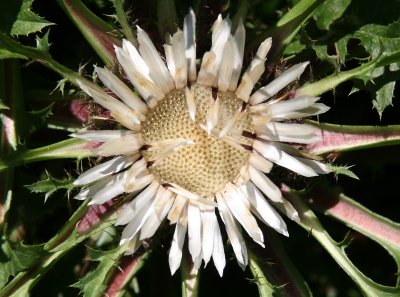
(198, 145)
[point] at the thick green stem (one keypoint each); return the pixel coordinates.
(265, 288)
(328, 83)
(98, 33)
(71, 148)
(277, 268)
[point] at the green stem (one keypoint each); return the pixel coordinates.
(40, 56)
(277, 268)
(265, 289)
(98, 33)
(123, 21)
(71, 148)
(328, 83)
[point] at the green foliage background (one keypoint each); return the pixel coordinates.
(354, 49)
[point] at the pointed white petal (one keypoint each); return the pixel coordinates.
(221, 31)
(90, 191)
(278, 83)
(290, 211)
(107, 168)
(122, 113)
(112, 82)
(263, 209)
(227, 64)
(142, 83)
(282, 108)
(283, 159)
(238, 52)
(133, 245)
(233, 230)
(135, 59)
(218, 250)
(115, 187)
(160, 211)
(183, 192)
(212, 60)
(128, 211)
(194, 230)
(190, 101)
(212, 114)
(254, 71)
(318, 167)
(297, 133)
(141, 182)
(158, 70)
(265, 184)
(208, 70)
(315, 109)
(140, 218)
(208, 220)
(234, 200)
(189, 32)
(138, 176)
(175, 253)
(168, 147)
(125, 145)
(176, 208)
(259, 162)
(102, 135)
(176, 59)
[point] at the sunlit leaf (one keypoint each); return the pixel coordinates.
(17, 18)
(329, 12)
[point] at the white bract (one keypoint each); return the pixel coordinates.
(198, 145)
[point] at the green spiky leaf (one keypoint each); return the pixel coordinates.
(17, 18)
(342, 170)
(95, 282)
(51, 184)
(15, 257)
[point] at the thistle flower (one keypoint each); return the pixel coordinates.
(198, 145)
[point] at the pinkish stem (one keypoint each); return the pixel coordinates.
(357, 216)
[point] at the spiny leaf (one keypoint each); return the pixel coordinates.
(27, 21)
(15, 257)
(17, 18)
(344, 170)
(94, 283)
(380, 40)
(50, 185)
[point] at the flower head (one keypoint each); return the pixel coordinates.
(198, 145)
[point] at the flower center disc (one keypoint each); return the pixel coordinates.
(205, 167)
